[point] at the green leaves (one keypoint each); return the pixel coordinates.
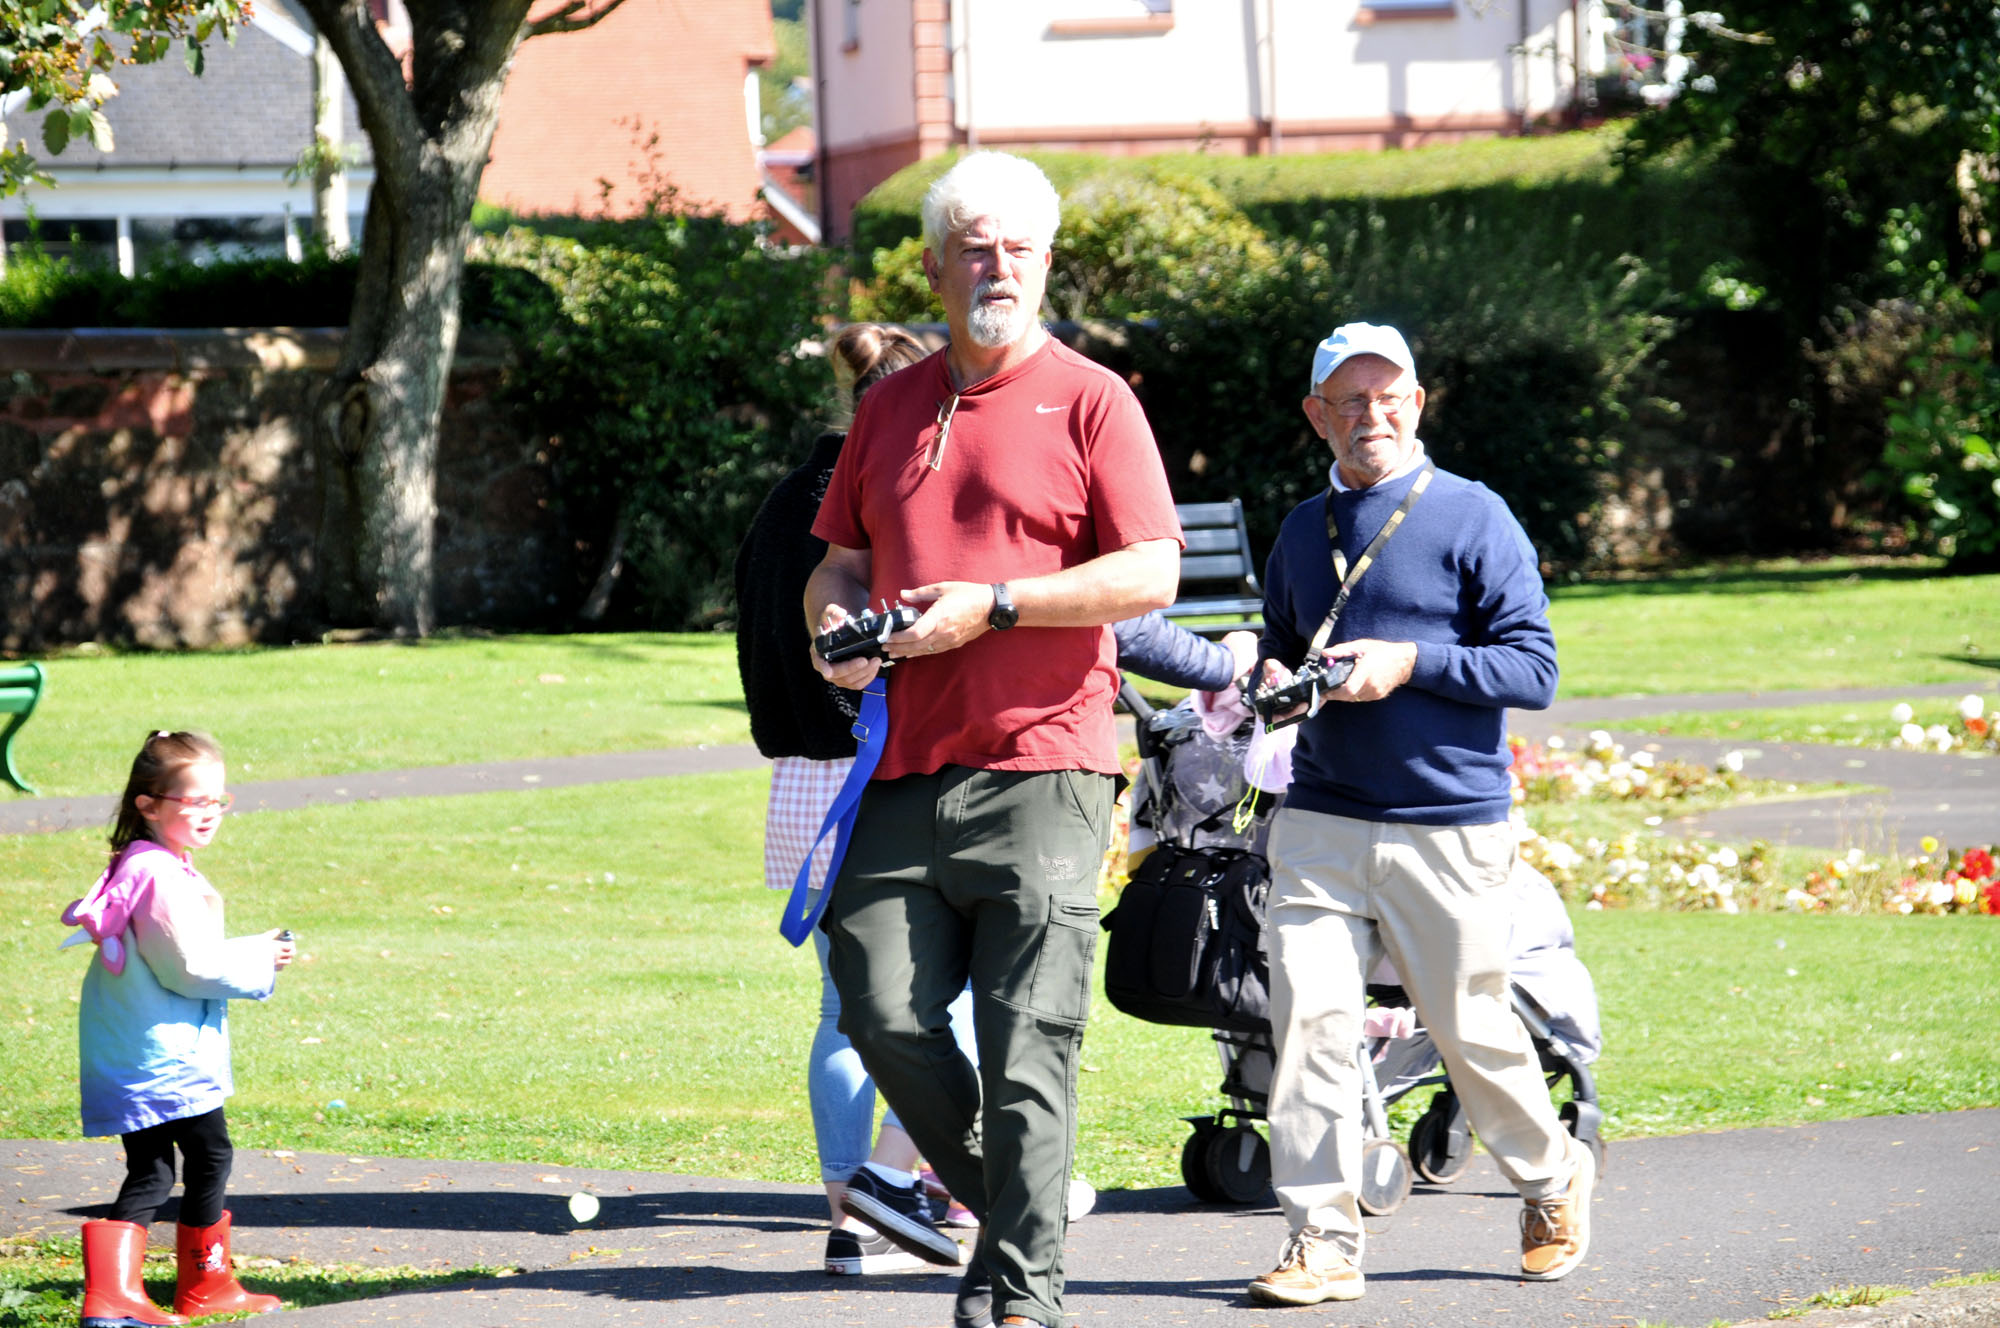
(661, 356)
(65, 53)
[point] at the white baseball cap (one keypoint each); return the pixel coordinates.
(1351, 339)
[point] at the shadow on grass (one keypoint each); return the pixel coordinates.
(1976, 661)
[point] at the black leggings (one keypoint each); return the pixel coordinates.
(206, 1156)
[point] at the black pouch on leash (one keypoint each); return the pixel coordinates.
(1187, 940)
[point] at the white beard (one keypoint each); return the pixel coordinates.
(993, 326)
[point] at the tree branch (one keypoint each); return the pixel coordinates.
(374, 74)
(564, 19)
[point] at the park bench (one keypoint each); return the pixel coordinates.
(20, 688)
(1218, 575)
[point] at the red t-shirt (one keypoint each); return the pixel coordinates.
(1046, 466)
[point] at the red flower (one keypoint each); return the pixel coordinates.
(1976, 726)
(1993, 898)
(1977, 864)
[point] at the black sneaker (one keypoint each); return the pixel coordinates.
(974, 1306)
(902, 1214)
(856, 1252)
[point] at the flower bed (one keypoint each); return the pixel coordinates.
(1640, 868)
(1972, 733)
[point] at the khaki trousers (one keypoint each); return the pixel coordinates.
(1345, 894)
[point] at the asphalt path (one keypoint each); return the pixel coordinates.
(1728, 1226)
(1896, 798)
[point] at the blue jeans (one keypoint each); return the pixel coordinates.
(842, 1094)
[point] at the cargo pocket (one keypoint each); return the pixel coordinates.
(1060, 989)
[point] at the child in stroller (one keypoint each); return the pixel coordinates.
(1198, 789)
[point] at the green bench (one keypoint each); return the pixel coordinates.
(20, 688)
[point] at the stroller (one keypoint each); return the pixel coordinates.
(1191, 793)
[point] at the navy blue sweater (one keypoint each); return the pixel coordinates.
(1458, 578)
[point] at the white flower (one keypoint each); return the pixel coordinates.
(1854, 856)
(1939, 894)
(1555, 742)
(1911, 736)
(1619, 769)
(1724, 858)
(1799, 899)
(1939, 737)
(1972, 707)
(1901, 713)
(1733, 763)
(1643, 760)
(1561, 856)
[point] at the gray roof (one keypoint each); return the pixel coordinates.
(251, 107)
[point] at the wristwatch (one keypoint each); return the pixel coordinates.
(1004, 613)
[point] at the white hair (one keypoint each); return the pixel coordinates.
(1011, 190)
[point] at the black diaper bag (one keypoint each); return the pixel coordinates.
(1187, 940)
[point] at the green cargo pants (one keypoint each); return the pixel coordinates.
(992, 875)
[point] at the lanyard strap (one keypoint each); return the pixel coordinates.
(1348, 577)
(871, 730)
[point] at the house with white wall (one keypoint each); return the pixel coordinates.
(899, 81)
(662, 94)
(198, 166)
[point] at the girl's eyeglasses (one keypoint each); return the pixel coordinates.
(199, 805)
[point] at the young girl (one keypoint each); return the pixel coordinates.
(153, 1035)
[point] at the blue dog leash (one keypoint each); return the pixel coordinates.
(871, 732)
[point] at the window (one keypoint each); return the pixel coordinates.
(850, 26)
(1113, 18)
(1377, 11)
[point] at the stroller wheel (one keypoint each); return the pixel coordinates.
(1441, 1140)
(1385, 1177)
(1194, 1160)
(1239, 1165)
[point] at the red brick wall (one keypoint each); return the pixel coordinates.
(851, 172)
(579, 107)
(160, 489)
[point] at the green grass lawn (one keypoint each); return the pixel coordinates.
(1775, 626)
(313, 710)
(592, 976)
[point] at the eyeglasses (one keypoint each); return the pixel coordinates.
(1354, 407)
(946, 409)
(199, 805)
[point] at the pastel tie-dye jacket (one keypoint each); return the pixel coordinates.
(153, 1035)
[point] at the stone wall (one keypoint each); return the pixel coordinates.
(158, 488)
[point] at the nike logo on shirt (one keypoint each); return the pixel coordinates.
(1047, 410)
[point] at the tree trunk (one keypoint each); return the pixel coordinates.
(330, 135)
(378, 414)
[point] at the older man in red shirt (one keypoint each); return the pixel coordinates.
(1012, 491)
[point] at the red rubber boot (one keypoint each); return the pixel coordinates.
(113, 1295)
(207, 1283)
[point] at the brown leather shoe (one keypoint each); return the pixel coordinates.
(1555, 1233)
(1310, 1269)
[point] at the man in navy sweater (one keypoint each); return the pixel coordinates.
(1394, 839)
